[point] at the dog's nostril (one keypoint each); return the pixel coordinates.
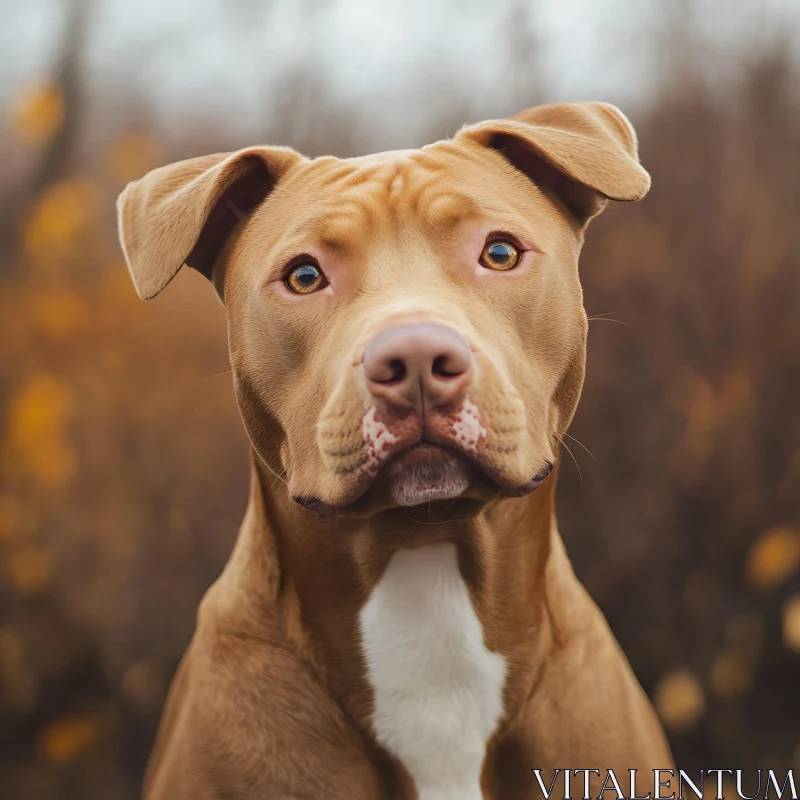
(416, 365)
(388, 371)
(397, 371)
(445, 367)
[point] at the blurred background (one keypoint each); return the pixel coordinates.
(123, 466)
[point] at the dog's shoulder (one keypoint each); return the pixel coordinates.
(238, 702)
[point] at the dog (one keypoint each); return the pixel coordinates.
(398, 618)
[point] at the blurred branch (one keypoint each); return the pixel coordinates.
(55, 158)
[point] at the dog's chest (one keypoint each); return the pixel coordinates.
(438, 689)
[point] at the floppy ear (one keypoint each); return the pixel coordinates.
(584, 153)
(184, 212)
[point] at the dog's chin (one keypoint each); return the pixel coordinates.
(425, 474)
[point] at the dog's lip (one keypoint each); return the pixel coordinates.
(426, 452)
(423, 452)
(415, 454)
(534, 483)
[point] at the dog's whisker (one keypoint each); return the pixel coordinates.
(572, 455)
(204, 379)
(610, 319)
(278, 478)
(603, 314)
(213, 375)
(577, 441)
(167, 392)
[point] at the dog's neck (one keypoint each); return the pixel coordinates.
(293, 575)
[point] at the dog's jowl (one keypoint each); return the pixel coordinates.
(398, 619)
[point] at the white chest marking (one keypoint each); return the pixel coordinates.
(438, 690)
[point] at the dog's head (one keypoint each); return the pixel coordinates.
(406, 327)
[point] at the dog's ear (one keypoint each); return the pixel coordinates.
(584, 153)
(184, 212)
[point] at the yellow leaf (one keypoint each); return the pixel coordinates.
(774, 557)
(29, 570)
(37, 113)
(132, 155)
(37, 440)
(58, 222)
(791, 623)
(679, 700)
(64, 739)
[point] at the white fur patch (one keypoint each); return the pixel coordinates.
(376, 435)
(467, 427)
(438, 689)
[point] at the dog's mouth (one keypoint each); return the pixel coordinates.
(427, 472)
(422, 474)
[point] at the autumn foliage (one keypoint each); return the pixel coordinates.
(124, 466)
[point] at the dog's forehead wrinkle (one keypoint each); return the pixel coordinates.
(397, 186)
(386, 157)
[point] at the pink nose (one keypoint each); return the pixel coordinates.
(418, 366)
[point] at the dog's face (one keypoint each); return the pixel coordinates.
(404, 328)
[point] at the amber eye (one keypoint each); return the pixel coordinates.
(500, 254)
(305, 278)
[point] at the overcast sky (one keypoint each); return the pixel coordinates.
(186, 55)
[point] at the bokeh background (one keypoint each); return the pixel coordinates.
(123, 466)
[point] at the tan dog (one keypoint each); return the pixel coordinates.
(398, 618)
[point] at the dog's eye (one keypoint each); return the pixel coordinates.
(306, 278)
(500, 254)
